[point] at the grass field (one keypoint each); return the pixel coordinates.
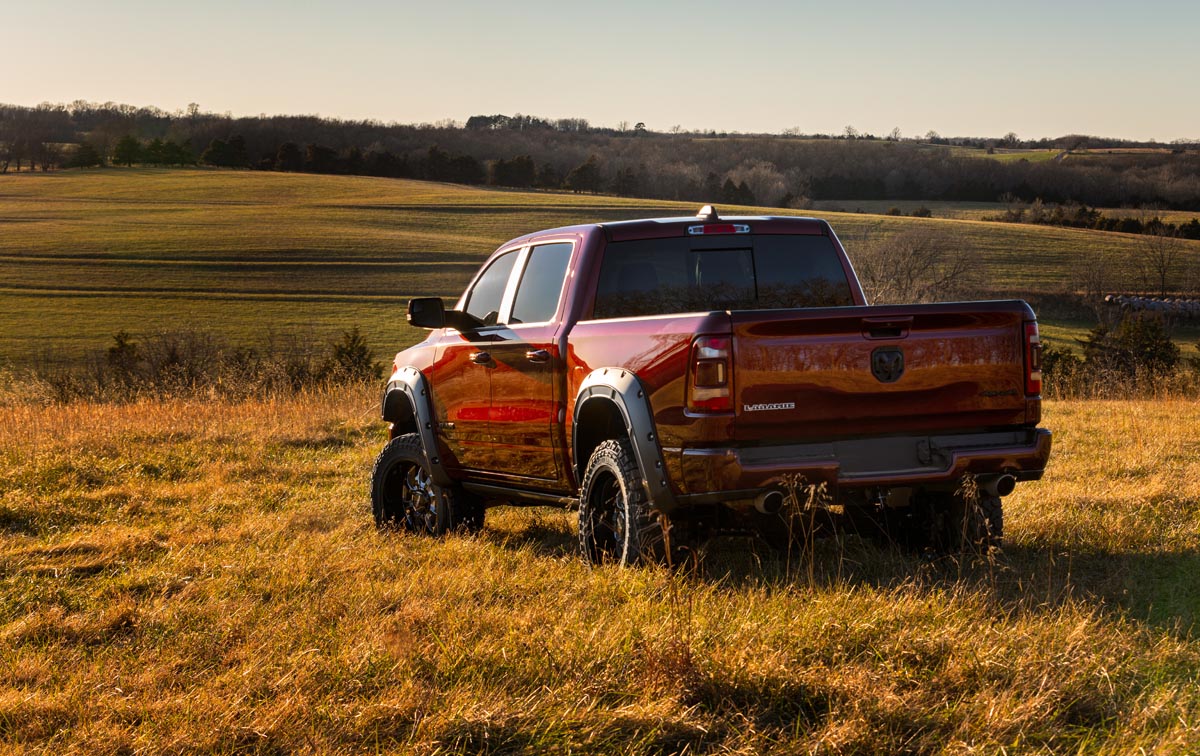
(979, 210)
(84, 254)
(203, 577)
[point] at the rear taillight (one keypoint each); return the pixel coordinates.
(710, 375)
(1033, 360)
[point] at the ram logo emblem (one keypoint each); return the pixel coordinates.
(887, 364)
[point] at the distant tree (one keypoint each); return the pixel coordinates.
(745, 195)
(549, 176)
(177, 153)
(319, 159)
(351, 359)
(482, 122)
(48, 154)
(639, 128)
(289, 158)
(521, 171)
(236, 154)
(155, 153)
(353, 162)
(436, 165)
(894, 136)
(384, 163)
(86, 156)
(465, 169)
(216, 153)
(1011, 140)
(729, 192)
(1160, 254)
(231, 154)
(918, 264)
(128, 151)
(625, 183)
(586, 177)
(1140, 344)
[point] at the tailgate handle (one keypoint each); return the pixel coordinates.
(886, 328)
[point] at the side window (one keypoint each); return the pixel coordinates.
(541, 284)
(483, 301)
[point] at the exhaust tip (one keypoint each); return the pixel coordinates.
(1005, 485)
(1001, 485)
(769, 502)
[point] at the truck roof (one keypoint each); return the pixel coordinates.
(661, 228)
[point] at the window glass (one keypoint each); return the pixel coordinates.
(661, 276)
(541, 284)
(484, 300)
(799, 271)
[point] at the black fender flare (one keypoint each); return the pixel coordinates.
(407, 402)
(621, 388)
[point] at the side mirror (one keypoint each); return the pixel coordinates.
(427, 312)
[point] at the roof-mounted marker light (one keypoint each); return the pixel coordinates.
(709, 229)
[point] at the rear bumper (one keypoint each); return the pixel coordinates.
(860, 463)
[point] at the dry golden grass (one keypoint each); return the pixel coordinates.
(197, 576)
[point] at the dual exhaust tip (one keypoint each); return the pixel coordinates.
(771, 502)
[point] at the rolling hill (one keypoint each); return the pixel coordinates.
(84, 254)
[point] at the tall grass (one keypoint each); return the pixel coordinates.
(201, 575)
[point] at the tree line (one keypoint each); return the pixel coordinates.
(790, 169)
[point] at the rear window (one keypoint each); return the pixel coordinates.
(662, 276)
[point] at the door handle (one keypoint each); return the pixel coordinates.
(481, 358)
(537, 355)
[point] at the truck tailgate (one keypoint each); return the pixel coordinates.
(853, 371)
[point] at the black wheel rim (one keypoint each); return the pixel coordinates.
(608, 522)
(410, 498)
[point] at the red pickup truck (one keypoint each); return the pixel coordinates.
(676, 377)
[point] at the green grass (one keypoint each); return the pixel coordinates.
(84, 254)
(203, 577)
(1068, 332)
(1005, 155)
(980, 210)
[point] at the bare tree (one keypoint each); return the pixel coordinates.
(915, 264)
(1093, 277)
(1159, 252)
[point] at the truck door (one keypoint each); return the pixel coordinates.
(527, 422)
(463, 368)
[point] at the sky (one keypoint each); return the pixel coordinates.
(1039, 69)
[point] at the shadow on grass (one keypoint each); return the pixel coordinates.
(615, 734)
(1160, 589)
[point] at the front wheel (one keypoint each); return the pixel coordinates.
(404, 496)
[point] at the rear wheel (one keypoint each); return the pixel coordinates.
(404, 496)
(949, 523)
(616, 522)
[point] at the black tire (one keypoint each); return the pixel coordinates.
(404, 496)
(616, 522)
(948, 524)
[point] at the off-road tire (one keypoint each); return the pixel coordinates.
(616, 523)
(945, 523)
(404, 496)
